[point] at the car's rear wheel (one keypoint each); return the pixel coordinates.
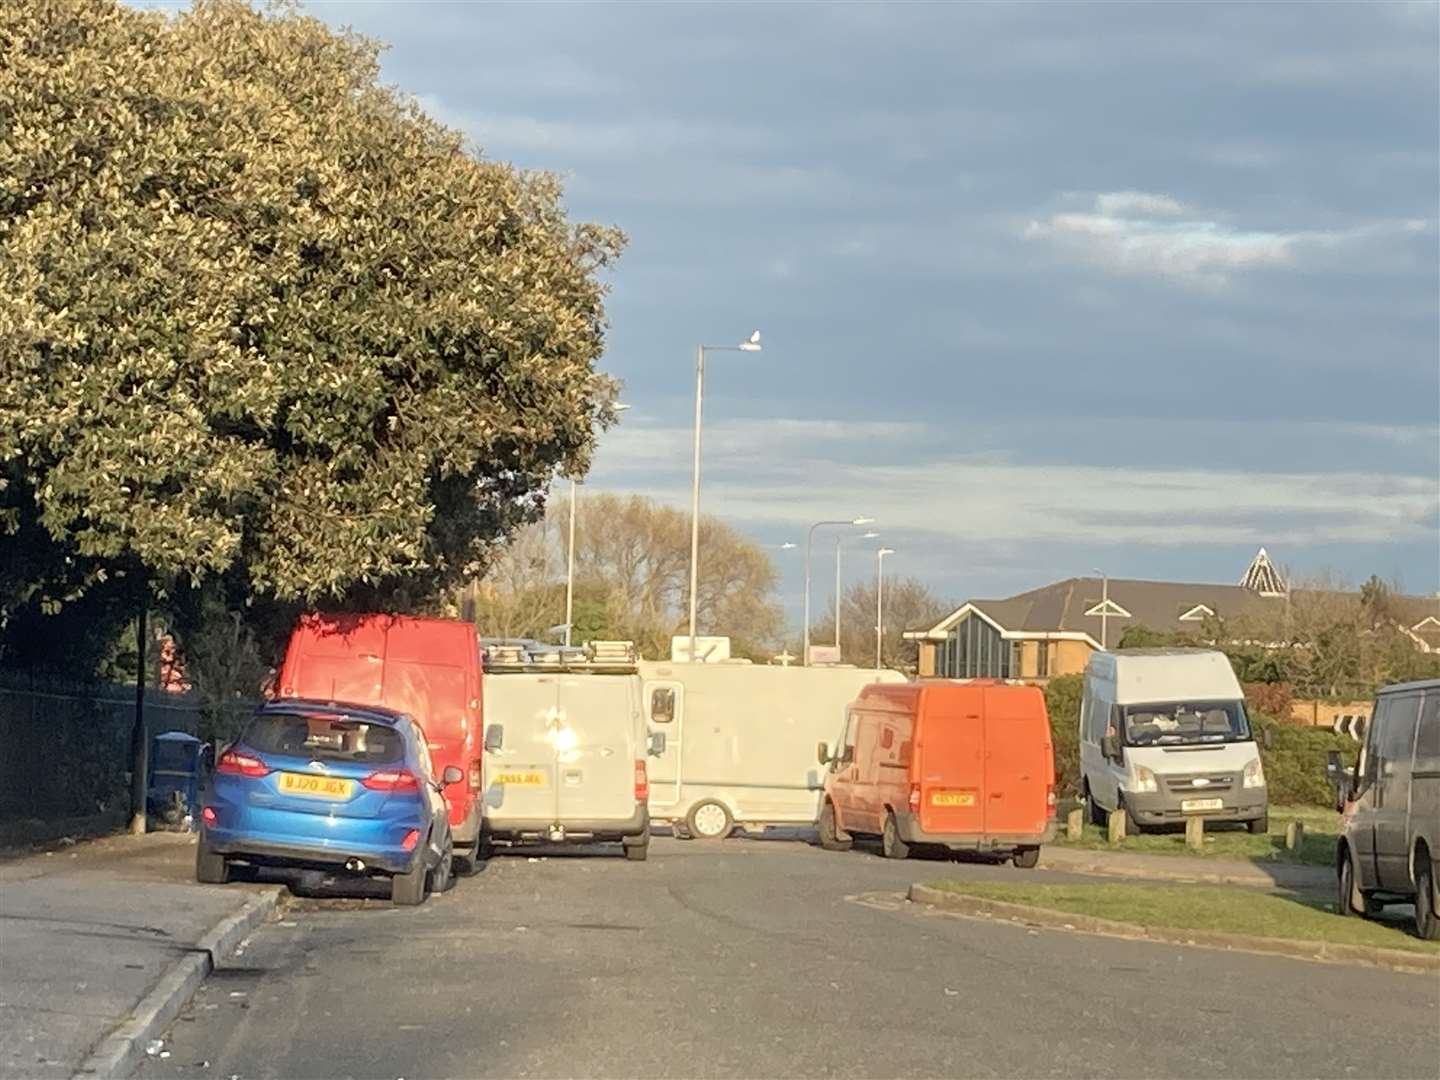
(1027, 858)
(408, 890)
(210, 866)
(442, 878)
(709, 820)
(1427, 923)
(891, 846)
(637, 848)
(829, 831)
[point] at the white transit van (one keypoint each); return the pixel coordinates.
(739, 741)
(1164, 736)
(565, 748)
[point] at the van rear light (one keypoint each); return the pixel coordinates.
(209, 816)
(475, 775)
(233, 763)
(1051, 803)
(914, 798)
(392, 780)
(411, 839)
(642, 782)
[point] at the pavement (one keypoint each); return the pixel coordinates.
(764, 957)
(101, 943)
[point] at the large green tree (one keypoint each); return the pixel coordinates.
(266, 330)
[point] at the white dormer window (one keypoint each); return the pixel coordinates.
(1198, 613)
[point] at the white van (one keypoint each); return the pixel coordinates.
(1164, 736)
(565, 749)
(739, 741)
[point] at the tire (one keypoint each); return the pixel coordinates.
(1026, 858)
(1350, 899)
(408, 890)
(638, 851)
(442, 877)
(1132, 827)
(709, 820)
(829, 833)
(1427, 922)
(891, 846)
(210, 867)
(1259, 826)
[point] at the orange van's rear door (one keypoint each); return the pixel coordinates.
(1018, 760)
(950, 766)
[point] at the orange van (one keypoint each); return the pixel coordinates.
(428, 669)
(964, 765)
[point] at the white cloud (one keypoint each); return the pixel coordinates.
(1137, 232)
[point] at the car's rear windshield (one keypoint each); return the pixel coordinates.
(324, 737)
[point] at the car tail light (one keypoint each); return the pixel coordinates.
(208, 815)
(642, 782)
(476, 780)
(237, 764)
(392, 780)
(914, 798)
(1050, 802)
(411, 839)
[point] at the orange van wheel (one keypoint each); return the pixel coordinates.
(891, 846)
(829, 832)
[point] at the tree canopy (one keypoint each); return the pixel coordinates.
(263, 324)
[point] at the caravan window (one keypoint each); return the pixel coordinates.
(662, 705)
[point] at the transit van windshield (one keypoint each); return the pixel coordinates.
(1185, 723)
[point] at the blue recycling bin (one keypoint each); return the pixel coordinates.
(179, 763)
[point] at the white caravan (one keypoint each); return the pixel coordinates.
(1164, 736)
(565, 748)
(739, 740)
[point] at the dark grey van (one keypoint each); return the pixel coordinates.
(1389, 848)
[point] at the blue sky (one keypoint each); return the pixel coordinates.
(1043, 287)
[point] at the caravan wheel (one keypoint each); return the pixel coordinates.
(709, 820)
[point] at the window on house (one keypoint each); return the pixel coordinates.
(1042, 659)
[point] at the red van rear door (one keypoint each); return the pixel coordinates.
(1017, 760)
(949, 764)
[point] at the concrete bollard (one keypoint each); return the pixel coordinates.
(1294, 835)
(1117, 826)
(1075, 824)
(1195, 833)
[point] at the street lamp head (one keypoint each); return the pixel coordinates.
(885, 551)
(862, 521)
(870, 536)
(788, 546)
(752, 343)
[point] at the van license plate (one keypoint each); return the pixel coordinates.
(1187, 805)
(521, 778)
(952, 798)
(316, 787)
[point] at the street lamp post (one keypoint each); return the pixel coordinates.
(839, 541)
(809, 545)
(752, 344)
(880, 600)
(1104, 609)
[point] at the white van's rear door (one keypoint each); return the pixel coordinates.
(597, 749)
(520, 776)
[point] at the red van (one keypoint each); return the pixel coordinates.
(426, 668)
(964, 765)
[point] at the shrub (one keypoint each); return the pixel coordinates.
(1062, 702)
(1270, 699)
(1295, 761)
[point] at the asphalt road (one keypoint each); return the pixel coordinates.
(755, 958)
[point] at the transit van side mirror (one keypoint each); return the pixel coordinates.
(1110, 747)
(823, 753)
(451, 775)
(657, 743)
(494, 737)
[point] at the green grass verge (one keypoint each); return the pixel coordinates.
(1205, 907)
(1227, 841)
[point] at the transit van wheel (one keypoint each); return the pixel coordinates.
(1093, 813)
(1427, 923)
(709, 820)
(829, 832)
(1027, 858)
(891, 846)
(1259, 826)
(210, 867)
(637, 848)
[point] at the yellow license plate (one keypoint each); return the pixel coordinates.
(952, 798)
(521, 778)
(318, 787)
(1201, 804)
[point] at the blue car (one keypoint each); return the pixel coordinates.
(313, 785)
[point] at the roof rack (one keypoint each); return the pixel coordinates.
(605, 657)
